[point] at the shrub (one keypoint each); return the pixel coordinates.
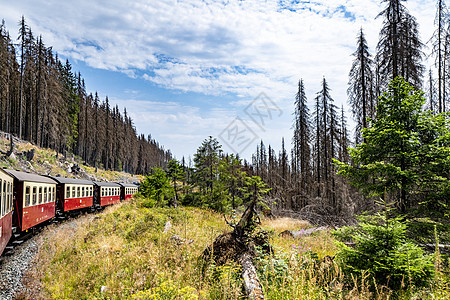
(382, 251)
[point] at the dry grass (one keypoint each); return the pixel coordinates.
(124, 253)
(282, 224)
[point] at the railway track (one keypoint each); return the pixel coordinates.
(19, 258)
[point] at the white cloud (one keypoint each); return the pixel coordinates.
(213, 47)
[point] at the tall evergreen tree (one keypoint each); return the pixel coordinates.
(399, 48)
(360, 90)
(438, 50)
(301, 138)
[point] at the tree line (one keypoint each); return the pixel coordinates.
(43, 101)
(213, 179)
(305, 178)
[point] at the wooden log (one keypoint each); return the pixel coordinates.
(303, 232)
(252, 285)
(239, 246)
(443, 249)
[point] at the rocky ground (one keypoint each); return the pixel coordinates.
(12, 268)
(17, 280)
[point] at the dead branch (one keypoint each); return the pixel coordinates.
(303, 232)
(11, 147)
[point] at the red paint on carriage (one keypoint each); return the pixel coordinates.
(128, 197)
(36, 214)
(5, 231)
(77, 203)
(108, 200)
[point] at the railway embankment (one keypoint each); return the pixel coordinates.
(27, 157)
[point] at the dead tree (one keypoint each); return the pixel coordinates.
(239, 246)
(11, 147)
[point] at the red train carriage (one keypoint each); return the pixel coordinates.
(127, 190)
(106, 193)
(6, 207)
(73, 194)
(35, 199)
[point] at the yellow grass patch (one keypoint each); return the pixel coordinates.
(282, 224)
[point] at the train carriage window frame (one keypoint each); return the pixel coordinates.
(82, 192)
(45, 196)
(10, 196)
(67, 191)
(40, 195)
(73, 194)
(27, 199)
(1, 198)
(34, 197)
(5, 206)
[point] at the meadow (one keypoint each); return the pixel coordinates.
(128, 252)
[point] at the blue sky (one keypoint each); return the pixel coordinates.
(187, 69)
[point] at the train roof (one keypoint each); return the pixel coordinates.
(65, 180)
(128, 184)
(24, 176)
(4, 171)
(101, 183)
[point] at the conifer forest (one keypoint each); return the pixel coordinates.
(354, 204)
(43, 101)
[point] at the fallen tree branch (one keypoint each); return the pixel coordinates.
(303, 232)
(239, 246)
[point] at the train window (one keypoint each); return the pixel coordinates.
(90, 189)
(44, 196)
(2, 203)
(34, 195)
(78, 192)
(67, 191)
(27, 196)
(1, 200)
(54, 194)
(40, 194)
(5, 200)
(10, 196)
(73, 192)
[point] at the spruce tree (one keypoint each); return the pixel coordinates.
(360, 91)
(399, 48)
(301, 138)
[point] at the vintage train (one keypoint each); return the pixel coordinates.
(29, 200)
